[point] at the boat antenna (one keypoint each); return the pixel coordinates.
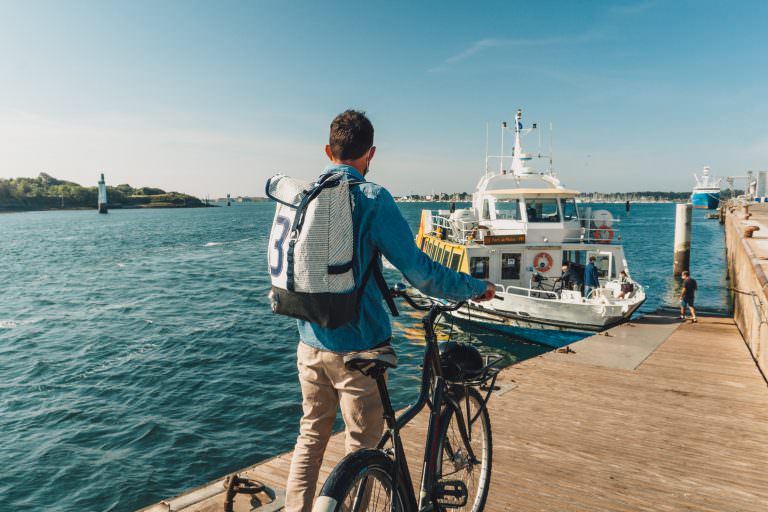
(501, 158)
(540, 148)
(551, 151)
(486, 148)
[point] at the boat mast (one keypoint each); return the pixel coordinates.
(518, 150)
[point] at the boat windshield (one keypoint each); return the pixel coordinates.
(569, 209)
(542, 210)
(508, 209)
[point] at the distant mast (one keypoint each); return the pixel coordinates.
(102, 195)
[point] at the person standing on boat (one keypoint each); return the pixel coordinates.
(325, 382)
(625, 285)
(569, 279)
(687, 295)
(591, 278)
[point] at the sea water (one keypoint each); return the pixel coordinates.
(139, 356)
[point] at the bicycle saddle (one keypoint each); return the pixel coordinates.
(368, 360)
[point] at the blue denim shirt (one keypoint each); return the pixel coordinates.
(379, 225)
(591, 276)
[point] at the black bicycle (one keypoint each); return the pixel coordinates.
(456, 472)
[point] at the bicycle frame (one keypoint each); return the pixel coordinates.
(434, 393)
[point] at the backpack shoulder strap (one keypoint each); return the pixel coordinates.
(373, 268)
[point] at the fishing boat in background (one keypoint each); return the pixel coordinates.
(523, 225)
(706, 193)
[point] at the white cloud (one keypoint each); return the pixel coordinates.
(486, 44)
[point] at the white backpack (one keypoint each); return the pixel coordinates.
(311, 250)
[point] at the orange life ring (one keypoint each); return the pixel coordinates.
(542, 266)
(603, 235)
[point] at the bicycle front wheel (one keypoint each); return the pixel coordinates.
(362, 481)
(455, 462)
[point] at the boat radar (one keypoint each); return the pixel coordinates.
(102, 195)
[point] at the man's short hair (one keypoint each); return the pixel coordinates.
(592, 258)
(686, 273)
(351, 135)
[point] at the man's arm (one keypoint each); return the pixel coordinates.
(394, 238)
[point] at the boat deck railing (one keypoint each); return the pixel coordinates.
(594, 230)
(598, 294)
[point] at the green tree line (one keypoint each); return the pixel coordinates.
(45, 192)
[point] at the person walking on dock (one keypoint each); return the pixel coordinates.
(687, 295)
(326, 383)
(591, 278)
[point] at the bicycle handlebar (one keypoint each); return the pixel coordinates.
(437, 307)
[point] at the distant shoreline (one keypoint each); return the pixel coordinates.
(111, 208)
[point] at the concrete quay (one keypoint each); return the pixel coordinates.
(651, 415)
(746, 243)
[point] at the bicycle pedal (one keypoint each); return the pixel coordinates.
(451, 493)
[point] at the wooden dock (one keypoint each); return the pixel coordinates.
(655, 415)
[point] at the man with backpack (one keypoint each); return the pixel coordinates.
(378, 227)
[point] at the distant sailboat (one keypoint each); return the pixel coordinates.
(102, 195)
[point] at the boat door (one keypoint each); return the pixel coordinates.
(495, 266)
(604, 263)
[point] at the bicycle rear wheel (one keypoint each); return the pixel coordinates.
(362, 481)
(454, 463)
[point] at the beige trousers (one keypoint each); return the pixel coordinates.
(326, 384)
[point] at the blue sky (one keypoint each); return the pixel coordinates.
(214, 97)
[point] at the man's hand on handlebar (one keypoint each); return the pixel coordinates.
(488, 294)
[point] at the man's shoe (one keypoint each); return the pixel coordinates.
(693, 320)
(682, 317)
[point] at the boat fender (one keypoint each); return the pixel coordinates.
(603, 234)
(542, 262)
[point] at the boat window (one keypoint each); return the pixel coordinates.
(446, 256)
(510, 265)
(542, 210)
(486, 210)
(575, 257)
(508, 209)
(570, 212)
(455, 258)
(603, 264)
(478, 267)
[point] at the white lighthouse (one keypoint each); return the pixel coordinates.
(102, 195)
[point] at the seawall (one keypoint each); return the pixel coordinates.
(748, 275)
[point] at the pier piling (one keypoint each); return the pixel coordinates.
(683, 215)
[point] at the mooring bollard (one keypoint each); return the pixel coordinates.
(683, 213)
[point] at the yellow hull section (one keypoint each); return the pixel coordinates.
(449, 254)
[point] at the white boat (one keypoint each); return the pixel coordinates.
(522, 226)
